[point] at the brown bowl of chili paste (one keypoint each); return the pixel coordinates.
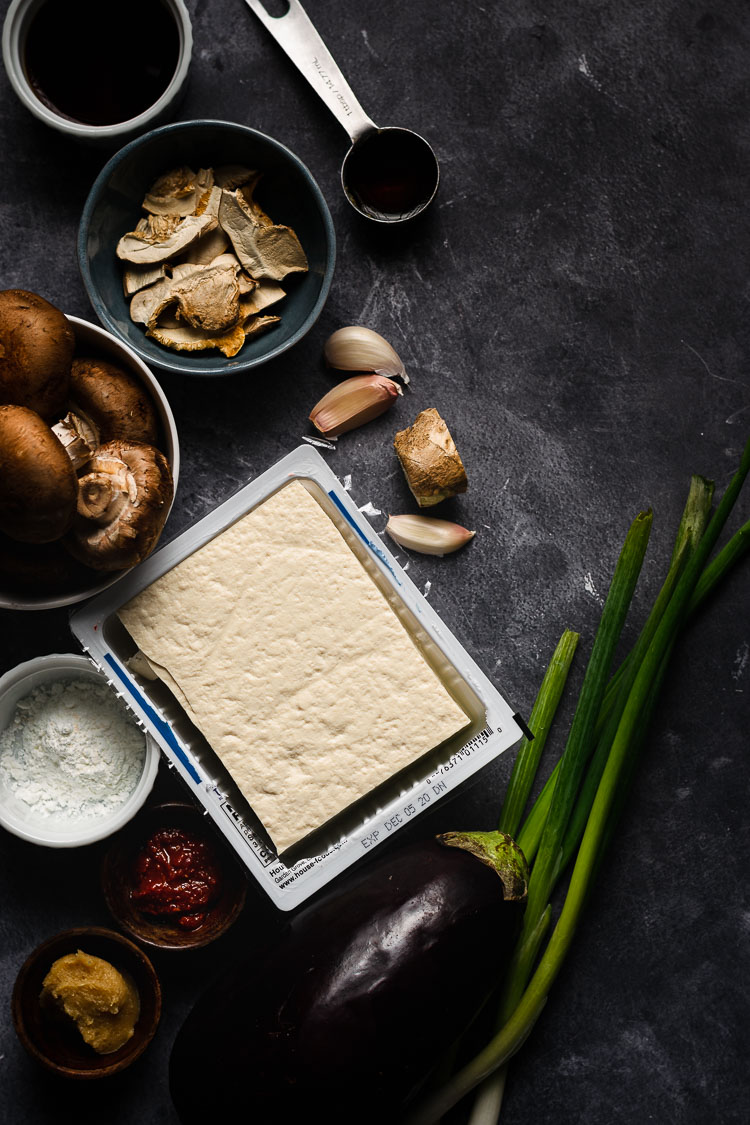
(170, 881)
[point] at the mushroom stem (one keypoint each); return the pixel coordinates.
(78, 437)
(123, 503)
(102, 495)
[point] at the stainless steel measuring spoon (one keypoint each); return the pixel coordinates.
(389, 174)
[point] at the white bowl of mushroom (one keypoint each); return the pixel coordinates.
(89, 456)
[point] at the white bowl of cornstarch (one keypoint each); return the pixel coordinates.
(74, 763)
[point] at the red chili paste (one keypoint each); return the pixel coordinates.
(177, 877)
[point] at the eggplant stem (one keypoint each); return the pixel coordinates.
(499, 851)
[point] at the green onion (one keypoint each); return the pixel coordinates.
(580, 742)
(734, 550)
(692, 525)
(620, 724)
(540, 721)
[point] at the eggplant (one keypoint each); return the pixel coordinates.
(346, 1017)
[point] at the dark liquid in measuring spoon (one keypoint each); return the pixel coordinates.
(101, 63)
(391, 174)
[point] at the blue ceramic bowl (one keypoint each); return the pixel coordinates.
(289, 192)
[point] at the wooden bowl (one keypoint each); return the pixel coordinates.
(56, 1043)
(118, 880)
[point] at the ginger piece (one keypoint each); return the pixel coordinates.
(431, 463)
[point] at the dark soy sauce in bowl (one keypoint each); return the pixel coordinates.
(101, 64)
(391, 174)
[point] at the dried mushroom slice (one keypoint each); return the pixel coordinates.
(227, 259)
(246, 283)
(148, 304)
(231, 176)
(136, 278)
(213, 242)
(264, 293)
(158, 244)
(265, 251)
(177, 192)
(257, 325)
(205, 260)
(189, 339)
(158, 227)
(209, 201)
(246, 197)
(184, 269)
(203, 251)
(209, 298)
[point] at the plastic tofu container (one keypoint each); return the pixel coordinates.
(300, 872)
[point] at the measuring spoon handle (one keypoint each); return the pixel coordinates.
(296, 35)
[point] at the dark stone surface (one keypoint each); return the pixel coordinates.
(576, 305)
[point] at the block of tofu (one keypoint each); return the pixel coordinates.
(292, 663)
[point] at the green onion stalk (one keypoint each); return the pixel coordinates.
(696, 513)
(574, 816)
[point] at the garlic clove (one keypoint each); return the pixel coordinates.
(352, 403)
(360, 349)
(426, 534)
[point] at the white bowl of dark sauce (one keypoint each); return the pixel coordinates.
(95, 77)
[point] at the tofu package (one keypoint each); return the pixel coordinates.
(288, 658)
(294, 676)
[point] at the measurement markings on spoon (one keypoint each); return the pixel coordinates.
(328, 81)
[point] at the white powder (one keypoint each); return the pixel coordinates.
(71, 751)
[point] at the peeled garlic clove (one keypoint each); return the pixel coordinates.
(426, 534)
(352, 403)
(360, 349)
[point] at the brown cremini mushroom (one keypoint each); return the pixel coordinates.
(123, 502)
(39, 484)
(36, 349)
(115, 402)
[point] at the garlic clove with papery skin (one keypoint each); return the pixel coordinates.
(352, 403)
(356, 348)
(427, 534)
